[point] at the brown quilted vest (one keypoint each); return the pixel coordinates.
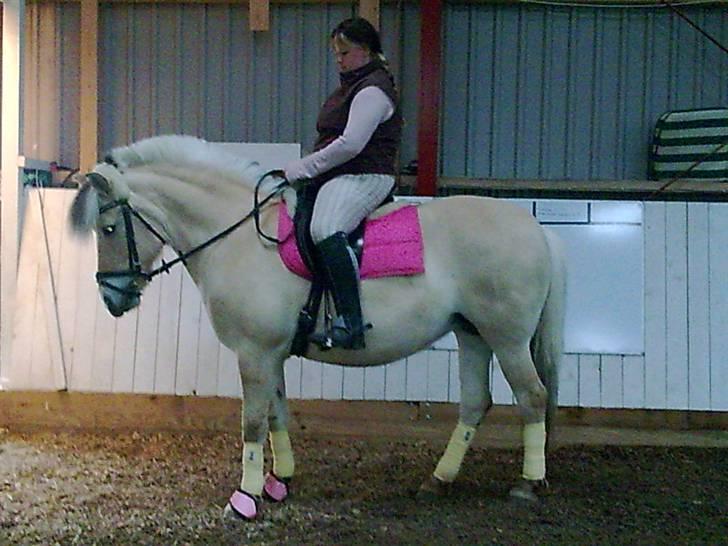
(380, 153)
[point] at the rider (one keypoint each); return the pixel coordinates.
(359, 131)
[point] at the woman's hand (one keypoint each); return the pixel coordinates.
(295, 170)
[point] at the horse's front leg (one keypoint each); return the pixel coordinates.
(259, 380)
(277, 482)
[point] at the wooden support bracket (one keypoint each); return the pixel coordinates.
(259, 15)
(369, 9)
(88, 137)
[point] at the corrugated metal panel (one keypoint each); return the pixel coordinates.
(199, 70)
(529, 91)
(51, 70)
(196, 69)
(570, 93)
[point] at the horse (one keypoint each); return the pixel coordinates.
(493, 276)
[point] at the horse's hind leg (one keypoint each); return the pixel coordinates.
(475, 401)
(531, 397)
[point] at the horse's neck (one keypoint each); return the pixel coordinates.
(190, 213)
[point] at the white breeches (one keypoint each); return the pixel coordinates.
(343, 202)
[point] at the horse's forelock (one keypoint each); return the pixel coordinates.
(84, 209)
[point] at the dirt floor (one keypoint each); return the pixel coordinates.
(130, 488)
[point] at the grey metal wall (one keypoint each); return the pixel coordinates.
(196, 69)
(529, 91)
(538, 92)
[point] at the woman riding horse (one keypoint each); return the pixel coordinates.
(359, 131)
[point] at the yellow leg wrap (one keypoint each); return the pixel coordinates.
(280, 445)
(449, 465)
(252, 468)
(534, 444)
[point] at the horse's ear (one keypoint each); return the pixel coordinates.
(85, 208)
(107, 179)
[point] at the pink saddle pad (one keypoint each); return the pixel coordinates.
(392, 245)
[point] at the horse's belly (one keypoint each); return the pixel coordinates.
(404, 321)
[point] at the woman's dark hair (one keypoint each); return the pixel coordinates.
(361, 32)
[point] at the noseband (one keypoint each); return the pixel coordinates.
(135, 271)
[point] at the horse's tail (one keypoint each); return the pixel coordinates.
(547, 344)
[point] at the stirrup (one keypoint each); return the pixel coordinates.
(340, 336)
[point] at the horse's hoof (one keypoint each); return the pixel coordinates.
(528, 490)
(275, 488)
(241, 506)
(433, 489)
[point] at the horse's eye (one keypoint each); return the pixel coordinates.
(109, 230)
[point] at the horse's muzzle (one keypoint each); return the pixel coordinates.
(118, 308)
(120, 295)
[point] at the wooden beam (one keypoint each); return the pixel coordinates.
(13, 23)
(89, 123)
(259, 15)
(369, 10)
(633, 190)
(429, 106)
(657, 4)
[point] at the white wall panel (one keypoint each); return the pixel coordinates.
(311, 372)
(438, 376)
(611, 376)
(677, 305)
(332, 382)
(416, 382)
(122, 379)
(569, 381)
(147, 340)
(168, 329)
(633, 377)
(168, 345)
(655, 306)
(208, 355)
(698, 282)
(718, 226)
(188, 338)
(590, 394)
(396, 378)
(374, 383)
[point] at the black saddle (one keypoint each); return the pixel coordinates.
(306, 197)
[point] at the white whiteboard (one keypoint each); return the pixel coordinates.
(605, 293)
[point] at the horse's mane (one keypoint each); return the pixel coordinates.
(186, 151)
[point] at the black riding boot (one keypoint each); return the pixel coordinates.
(339, 266)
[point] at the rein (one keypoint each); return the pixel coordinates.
(135, 268)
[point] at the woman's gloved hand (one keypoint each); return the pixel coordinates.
(295, 170)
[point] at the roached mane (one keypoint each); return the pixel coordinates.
(187, 151)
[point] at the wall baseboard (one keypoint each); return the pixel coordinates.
(33, 410)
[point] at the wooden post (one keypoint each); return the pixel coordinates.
(259, 15)
(89, 120)
(369, 9)
(429, 105)
(13, 21)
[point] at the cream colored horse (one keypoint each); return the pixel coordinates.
(493, 276)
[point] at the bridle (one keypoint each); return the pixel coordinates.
(135, 271)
